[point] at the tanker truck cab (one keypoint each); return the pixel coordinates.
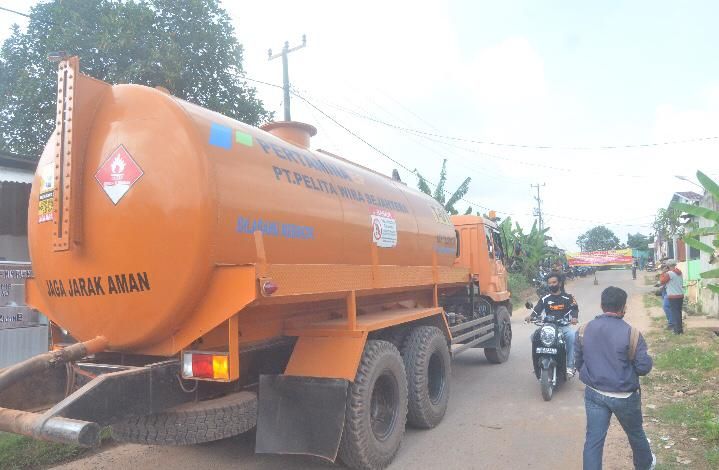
(327, 343)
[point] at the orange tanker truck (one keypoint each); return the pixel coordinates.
(204, 277)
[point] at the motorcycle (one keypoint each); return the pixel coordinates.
(549, 355)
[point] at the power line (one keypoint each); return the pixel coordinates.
(458, 160)
(404, 167)
(428, 136)
(436, 138)
(533, 147)
(16, 12)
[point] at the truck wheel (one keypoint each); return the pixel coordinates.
(376, 409)
(504, 338)
(192, 423)
(427, 362)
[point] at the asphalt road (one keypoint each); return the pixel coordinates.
(496, 417)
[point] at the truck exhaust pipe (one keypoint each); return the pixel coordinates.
(55, 429)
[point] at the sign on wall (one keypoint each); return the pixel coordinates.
(13, 311)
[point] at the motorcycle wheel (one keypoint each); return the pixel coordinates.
(545, 380)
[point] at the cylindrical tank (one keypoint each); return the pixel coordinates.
(169, 190)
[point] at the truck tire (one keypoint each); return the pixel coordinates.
(192, 423)
(376, 409)
(504, 337)
(428, 365)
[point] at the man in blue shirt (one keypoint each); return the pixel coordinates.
(610, 367)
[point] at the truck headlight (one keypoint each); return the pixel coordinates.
(547, 335)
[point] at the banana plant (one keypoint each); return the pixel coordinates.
(693, 238)
(440, 193)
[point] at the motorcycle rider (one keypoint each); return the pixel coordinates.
(559, 305)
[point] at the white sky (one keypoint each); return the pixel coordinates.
(557, 73)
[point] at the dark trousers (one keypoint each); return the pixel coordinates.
(675, 305)
(628, 412)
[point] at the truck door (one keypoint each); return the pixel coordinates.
(496, 258)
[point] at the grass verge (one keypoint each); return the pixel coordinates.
(19, 452)
(681, 399)
(24, 453)
(651, 300)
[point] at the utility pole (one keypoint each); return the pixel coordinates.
(538, 210)
(285, 71)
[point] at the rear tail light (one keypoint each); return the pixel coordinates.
(201, 365)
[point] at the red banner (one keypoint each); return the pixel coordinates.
(601, 258)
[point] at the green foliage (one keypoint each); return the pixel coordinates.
(518, 283)
(534, 245)
(686, 358)
(710, 185)
(526, 251)
(692, 238)
(694, 243)
(186, 46)
(599, 238)
(667, 223)
(699, 415)
(440, 192)
(637, 241)
(651, 300)
(712, 456)
(697, 211)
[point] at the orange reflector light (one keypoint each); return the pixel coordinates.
(200, 365)
(220, 369)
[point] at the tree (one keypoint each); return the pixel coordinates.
(186, 46)
(668, 223)
(535, 248)
(637, 241)
(526, 252)
(440, 194)
(599, 238)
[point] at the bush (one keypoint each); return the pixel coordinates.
(518, 283)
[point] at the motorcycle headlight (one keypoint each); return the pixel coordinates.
(547, 335)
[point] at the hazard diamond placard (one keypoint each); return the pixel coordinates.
(118, 173)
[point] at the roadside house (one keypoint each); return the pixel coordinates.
(23, 331)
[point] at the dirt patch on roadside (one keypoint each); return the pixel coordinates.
(680, 395)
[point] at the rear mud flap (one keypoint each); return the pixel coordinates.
(301, 415)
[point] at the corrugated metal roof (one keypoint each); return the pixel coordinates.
(15, 175)
(691, 195)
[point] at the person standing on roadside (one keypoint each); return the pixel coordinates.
(610, 356)
(635, 265)
(665, 300)
(673, 281)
